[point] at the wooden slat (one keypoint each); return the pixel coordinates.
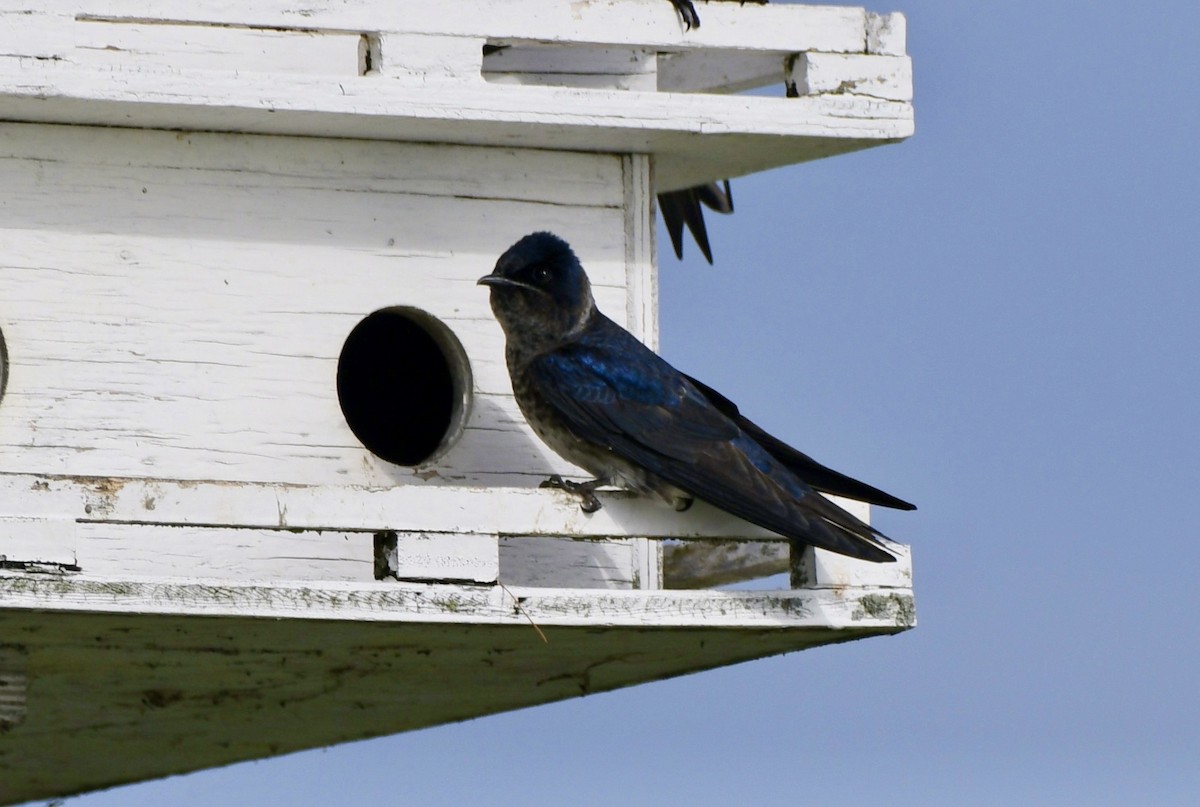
(274, 67)
(707, 564)
(720, 72)
(824, 608)
(884, 77)
(604, 564)
(124, 551)
(36, 540)
(887, 34)
(191, 47)
(417, 507)
(180, 693)
(763, 27)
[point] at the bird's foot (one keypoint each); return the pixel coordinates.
(586, 491)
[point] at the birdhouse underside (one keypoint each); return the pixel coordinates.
(253, 405)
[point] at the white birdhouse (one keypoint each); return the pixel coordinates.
(265, 486)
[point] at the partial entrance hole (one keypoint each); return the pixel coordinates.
(3, 365)
(404, 385)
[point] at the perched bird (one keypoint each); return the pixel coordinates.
(683, 208)
(606, 402)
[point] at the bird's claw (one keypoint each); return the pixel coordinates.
(588, 502)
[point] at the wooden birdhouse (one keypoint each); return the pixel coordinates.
(264, 485)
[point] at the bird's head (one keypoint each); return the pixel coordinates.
(539, 289)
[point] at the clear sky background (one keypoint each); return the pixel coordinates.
(998, 320)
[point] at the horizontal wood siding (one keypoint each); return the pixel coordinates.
(174, 304)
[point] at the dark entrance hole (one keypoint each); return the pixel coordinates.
(404, 385)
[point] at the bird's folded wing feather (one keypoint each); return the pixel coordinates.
(649, 414)
(814, 473)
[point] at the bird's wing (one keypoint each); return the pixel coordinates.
(718, 197)
(682, 208)
(687, 13)
(635, 404)
(814, 473)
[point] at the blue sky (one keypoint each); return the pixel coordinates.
(996, 320)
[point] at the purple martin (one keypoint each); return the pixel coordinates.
(607, 403)
(683, 208)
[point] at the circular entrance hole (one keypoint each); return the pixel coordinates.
(404, 385)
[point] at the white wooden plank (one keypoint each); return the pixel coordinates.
(346, 106)
(201, 159)
(36, 540)
(416, 507)
(198, 47)
(707, 564)
(425, 60)
(573, 66)
(832, 569)
(766, 27)
(771, 131)
(129, 552)
(860, 608)
(720, 71)
(156, 86)
(887, 34)
(39, 33)
(885, 77)
(546, 562)
(641, 254)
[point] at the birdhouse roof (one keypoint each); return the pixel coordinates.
(622, 76)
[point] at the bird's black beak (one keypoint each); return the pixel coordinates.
(500, 280)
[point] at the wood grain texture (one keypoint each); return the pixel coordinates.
(582, 77)
(821, 608)
(180, 693)
(174, 305)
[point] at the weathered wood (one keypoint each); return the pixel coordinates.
(412, 507)
(704, 564)
(884, 77)
(417, 74)
(772, 131)
(176, 694)
(573, 66)
(607, 564)
(183, 505)
(159, 528)
(887, 34)
(708, 564)
(128, 551)
(36, 540)
(703, 71)
(759, 27)
(824, 608)
(14, 691)
(192, 47)
(222, 364)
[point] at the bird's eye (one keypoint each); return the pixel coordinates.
(541, 275)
